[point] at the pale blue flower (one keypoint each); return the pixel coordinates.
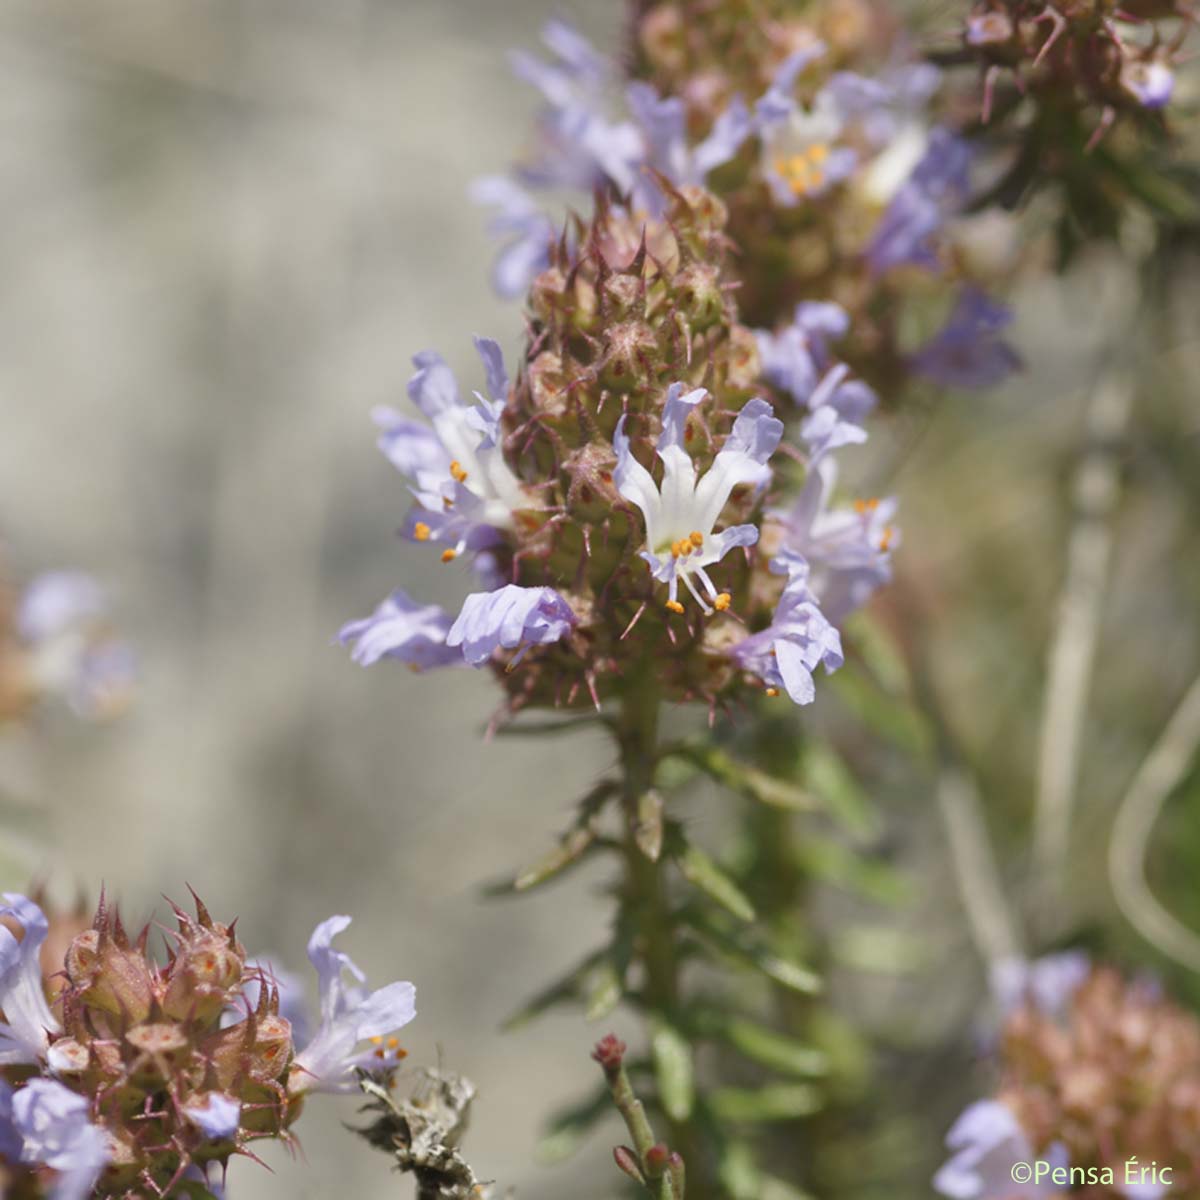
(215, 1114)
(663, 122)
(28, 1021)
(797, 358)
(827, 430)
(466, 494)
(1150, 81)
(1048, 983)
(350, 1016)
(937, 189)
(56, 1131)
(799, 639)
(524, 228)
(62, 619)
(403, 629)
(680, 517)
(10, 1139)
(508, 618)
(581, 147)
(849, 549)
(969, 351)
(987, 1142)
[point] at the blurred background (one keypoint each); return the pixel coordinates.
(226, 227)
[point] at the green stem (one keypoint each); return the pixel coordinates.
(645, 893)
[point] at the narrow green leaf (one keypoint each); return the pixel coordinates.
(569, 987)
(569, 1127)
(566, 854)
(741, 777)
(775, 1050)
(839, 864)
(777, 1102)
(750, 950)
(739, 1173)
(832, 782)
(700, 871)
(602, 990)
(885, 950)
(674, 1071)
(774, 1188)
(648, 831)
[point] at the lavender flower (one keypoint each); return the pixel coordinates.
(509, 617)
(986, 1141)
(349, 1016)
(848, 548)
(10, 1138)
(72, 653)
(527, 233)
(1149, 81)
(827, 430)
(663, 123)
(920, 208)
(680, 518)
(795, 358)
(465, 492)
(581, 146)
(800, 155)
(215, 1114)
(1048, 983)
(968, 351)
(56, 1131)
(799, 639)
(28, 1021)
(403, 629)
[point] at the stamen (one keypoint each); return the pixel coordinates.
(696, 538)
(376, 1041)
(449, 555)
(421, 531)
(862, 507)
(722, 601)
(772, 691)
(675, 606)
(886, 540)
(691, 587)
(456, 471)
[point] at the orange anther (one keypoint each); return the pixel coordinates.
(675, 606)
(449, 555)
(772, 691)
(721, 602)
(456, 471)
(421, 531)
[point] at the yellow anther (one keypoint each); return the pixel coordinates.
(675, 606)
(696, 538)
(818, 153)
(421, 531)
(449, 555)
(447, 503)
(816, 180)
(685, 547)
(457, 472)
(377, 1041)
(886, 540)
(862, 507)
(392, 1043)
(772, 691)
(721, 602)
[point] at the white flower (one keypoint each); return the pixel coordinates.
(350, 1015)
(24, 1033)
(680, 518)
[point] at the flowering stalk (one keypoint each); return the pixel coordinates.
(645, 897)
